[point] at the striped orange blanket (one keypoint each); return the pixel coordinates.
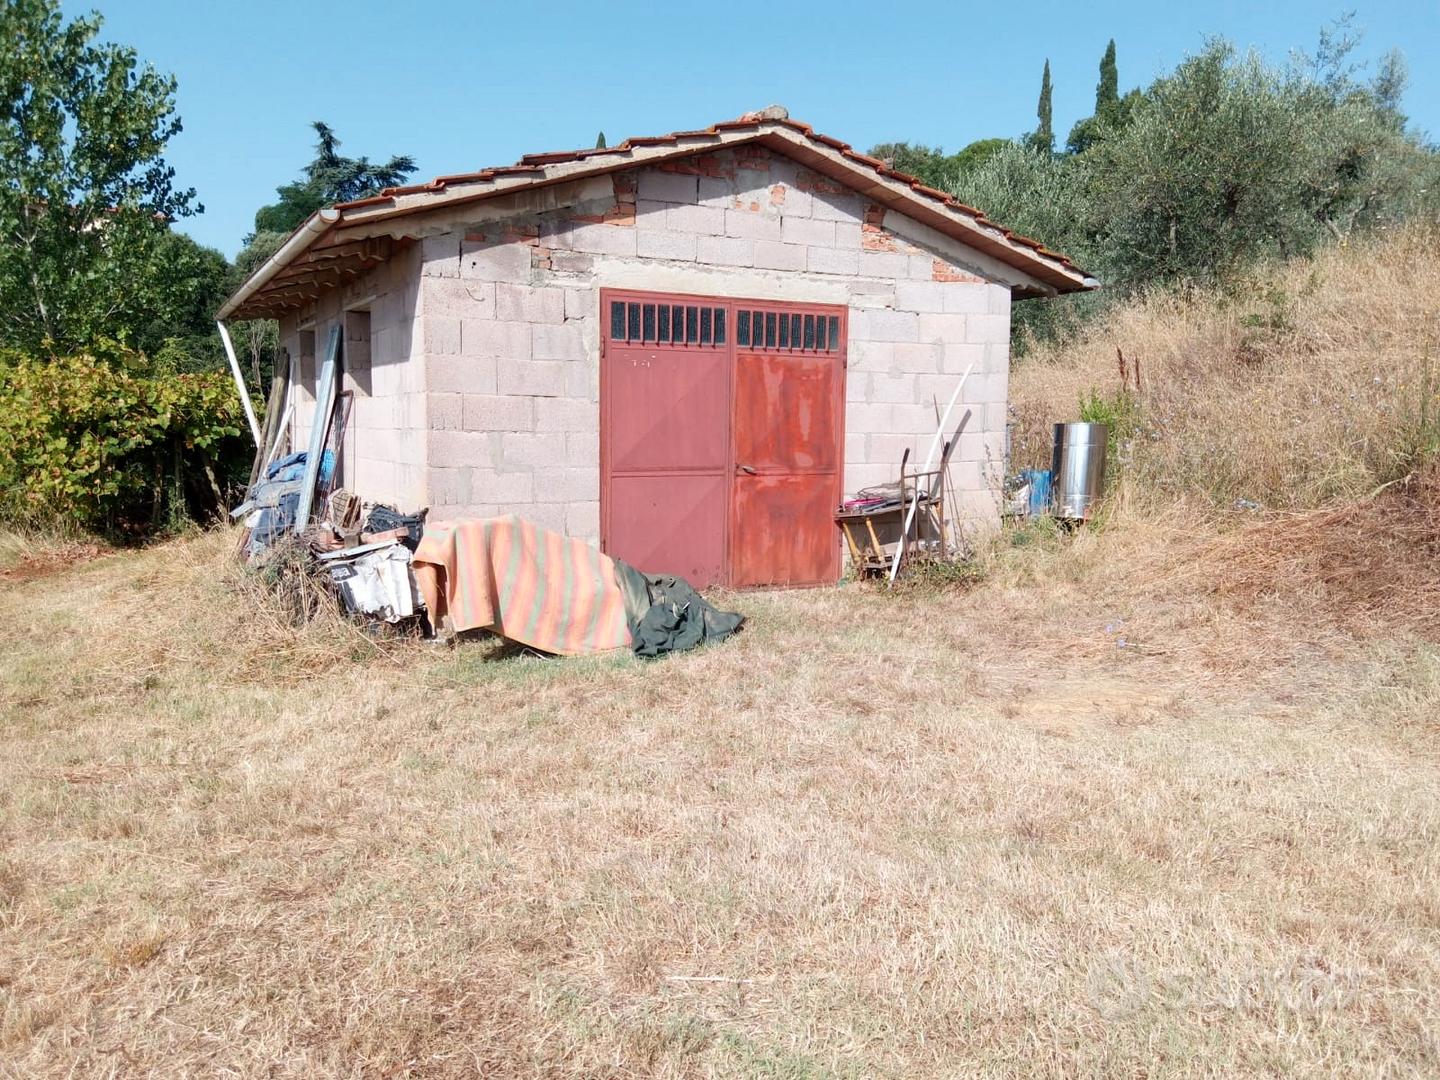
(523, 582)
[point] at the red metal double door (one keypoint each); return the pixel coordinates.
(722, 431)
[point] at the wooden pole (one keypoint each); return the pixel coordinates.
(279, 403)
(320, 424)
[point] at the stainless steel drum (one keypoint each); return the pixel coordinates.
(1078, 464)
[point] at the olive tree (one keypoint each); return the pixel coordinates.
(1229, 160)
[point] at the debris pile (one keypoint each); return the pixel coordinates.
(503, 575)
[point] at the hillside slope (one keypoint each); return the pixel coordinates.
(1313, 382)
(1277, 445)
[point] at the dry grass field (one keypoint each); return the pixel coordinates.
(1073, 821)
(1161, 798)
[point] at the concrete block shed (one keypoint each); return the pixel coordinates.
(683, 348)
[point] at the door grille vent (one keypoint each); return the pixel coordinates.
(667, 324)
(781, 331)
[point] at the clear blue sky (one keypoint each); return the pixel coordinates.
(463, 85)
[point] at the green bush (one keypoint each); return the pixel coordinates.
(113, 444)
(1120, 413)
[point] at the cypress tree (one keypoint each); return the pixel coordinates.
(1044, 138)
(600, 141)
(1107, 93)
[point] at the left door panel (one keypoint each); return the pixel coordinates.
(666, 444)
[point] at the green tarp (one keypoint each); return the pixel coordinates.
(666, 615)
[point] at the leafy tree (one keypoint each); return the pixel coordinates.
(1389, 84)
(259, 339)
(927, 163)
(1228, 160)
(330, 178)
(1042, 139)
(600, 141)
(1361, 169)
(1046, 131)
(86, 193)
(1221, 163)
(977, 154)
(1043, 196)
(181, 285)
(1092, 129)
(1034, 194)
(931, 164)
(1204, 177)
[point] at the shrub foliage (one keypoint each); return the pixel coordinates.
(112, 443)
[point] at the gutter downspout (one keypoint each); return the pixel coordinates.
(322, 221)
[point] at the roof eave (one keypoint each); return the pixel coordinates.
(299, 241)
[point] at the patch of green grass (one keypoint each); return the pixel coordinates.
(1043, 532)
(69, 898)
(1025, 538)
(1120, 413)
(925, 576)
(421, 763)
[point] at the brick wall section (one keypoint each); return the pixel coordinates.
(386, 443)
(510, 327)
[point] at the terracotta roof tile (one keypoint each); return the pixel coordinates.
(874, 163)
(532, 163)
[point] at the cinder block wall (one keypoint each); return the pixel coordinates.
(509, 317)
(385, 445)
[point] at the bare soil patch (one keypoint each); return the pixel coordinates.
(49, 559)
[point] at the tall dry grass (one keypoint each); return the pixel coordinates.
(1312, 383)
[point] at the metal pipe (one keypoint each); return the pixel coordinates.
(321, 221)
(240, 384)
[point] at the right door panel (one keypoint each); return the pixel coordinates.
(787, 425)
(778, 539)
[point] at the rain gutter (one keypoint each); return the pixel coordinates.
(315, 226)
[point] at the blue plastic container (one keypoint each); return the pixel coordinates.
(1041, 483)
